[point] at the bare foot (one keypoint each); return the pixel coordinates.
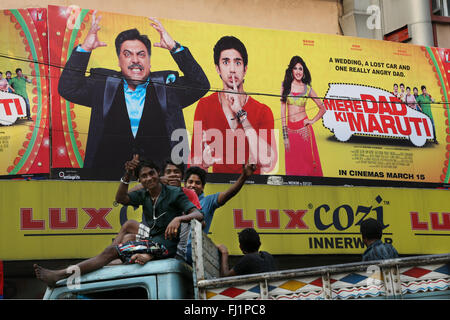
(50, 277)
(141, 258)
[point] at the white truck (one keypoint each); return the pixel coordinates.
(12, 107)
(418, 277)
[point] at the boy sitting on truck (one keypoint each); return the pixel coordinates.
(253, 261)
(172, 176)
(163, 207)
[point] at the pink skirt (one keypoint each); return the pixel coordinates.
(302, 158)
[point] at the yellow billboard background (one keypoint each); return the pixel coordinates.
(269, 54)
(397, 207)
(402, 210)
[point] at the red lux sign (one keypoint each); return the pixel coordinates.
(438, 221)
(295, 219)
(98, 219)
(416, 224)
(57, 222)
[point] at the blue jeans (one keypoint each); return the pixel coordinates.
(27, 105)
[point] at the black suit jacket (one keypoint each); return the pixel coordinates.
(98, 90)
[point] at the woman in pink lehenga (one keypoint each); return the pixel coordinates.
(301, 154)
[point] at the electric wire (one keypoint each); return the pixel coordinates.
(434, 104)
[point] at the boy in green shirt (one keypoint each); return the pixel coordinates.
(19, 83)
(425, 100)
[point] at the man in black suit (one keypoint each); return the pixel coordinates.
(134, 111)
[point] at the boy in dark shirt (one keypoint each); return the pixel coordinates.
(371, 232)
(253, 261)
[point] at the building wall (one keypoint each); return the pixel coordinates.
(424, 28)
(396, 14)
(415, 14)
(442, 35)
(297, 15)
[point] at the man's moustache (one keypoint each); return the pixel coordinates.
(136, 66)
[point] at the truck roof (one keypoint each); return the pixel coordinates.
(113, 272)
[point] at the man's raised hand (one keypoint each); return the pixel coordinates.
(91, 41)
(248, 169)
(166, 41)
(131, 165)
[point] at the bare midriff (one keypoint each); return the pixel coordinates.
(296, 113)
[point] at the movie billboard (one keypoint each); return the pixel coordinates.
(297, 104)
(306, 108)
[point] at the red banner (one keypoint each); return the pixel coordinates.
(1, 279)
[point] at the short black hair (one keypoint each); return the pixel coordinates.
(199, 172)
(371, 229)
(180, 166)
(422, 87)
(133, 34)
(249, 240)
(18, 69)
(145, 164)
(230, 42)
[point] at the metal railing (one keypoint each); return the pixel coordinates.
(393, 278)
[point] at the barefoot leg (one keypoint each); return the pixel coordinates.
(99, 261)
(129, 227)
(50, 277)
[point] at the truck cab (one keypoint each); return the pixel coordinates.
(159, 279)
